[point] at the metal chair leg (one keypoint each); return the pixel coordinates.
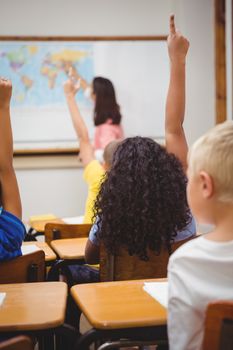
(127, 343)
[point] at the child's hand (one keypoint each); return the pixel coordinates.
(71, 88)
(177, 44)
(73, 74)
(5, 92)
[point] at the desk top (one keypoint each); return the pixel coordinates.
(71, 248)
(32, 306)
(123, 304)
(39, 224)
(49, 253)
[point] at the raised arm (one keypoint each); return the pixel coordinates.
(86, 149)
(75, 76)
(175, 104)
(10, 197)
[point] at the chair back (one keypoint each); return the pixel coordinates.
(126, 267)
(17, 343)
(25, 268)
(218, 334)
(61, 231)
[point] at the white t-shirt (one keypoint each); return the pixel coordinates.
(199, 272)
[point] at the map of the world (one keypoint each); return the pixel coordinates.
(37, 70)
(138, 69)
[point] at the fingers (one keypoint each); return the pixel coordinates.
(172, 25)
(71, 86)
(5, 81)
(78, 84)
(70, 72)
(5, 85)
(73, 78)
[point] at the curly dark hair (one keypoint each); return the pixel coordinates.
(142, 202)
(106, 106)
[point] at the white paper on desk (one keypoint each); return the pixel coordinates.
(74, 220)
(31, 248)
(2, 297)
(158, 290)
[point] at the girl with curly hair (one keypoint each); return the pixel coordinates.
(142, 202)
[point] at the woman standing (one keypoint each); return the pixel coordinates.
(107, 116)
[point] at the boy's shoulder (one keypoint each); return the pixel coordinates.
(202, 249)
(187, 248)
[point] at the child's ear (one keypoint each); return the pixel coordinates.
(207, 185)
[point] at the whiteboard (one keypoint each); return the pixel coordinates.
(138, 69)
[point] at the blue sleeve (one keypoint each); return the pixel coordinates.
(12, 232)
(93, 235)
(188, 232)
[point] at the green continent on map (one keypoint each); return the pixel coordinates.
(17, 59)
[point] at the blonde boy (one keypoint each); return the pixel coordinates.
(201, 271)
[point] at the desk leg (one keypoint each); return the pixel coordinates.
(49, 342)
(87, 339)
(66, 337)
(46, 340)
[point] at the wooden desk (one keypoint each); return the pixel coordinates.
(120, 309)
(122, 304)
(49, 253)
(70, 249)
(32, 306)
(39, 225)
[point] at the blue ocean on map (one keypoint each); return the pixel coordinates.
(38, 70)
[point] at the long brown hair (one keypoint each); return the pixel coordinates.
(106, 106)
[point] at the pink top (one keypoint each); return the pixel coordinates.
(106, 133)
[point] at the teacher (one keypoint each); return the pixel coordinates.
(107, 116)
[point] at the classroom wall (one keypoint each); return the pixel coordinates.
(59, 188)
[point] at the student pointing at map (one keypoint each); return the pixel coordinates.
(93, 170)
(107, 116)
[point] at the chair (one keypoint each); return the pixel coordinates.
(26, 268)
(17, 343)
(54, 231)
(218, 334)
(58, 231)
(125, 267)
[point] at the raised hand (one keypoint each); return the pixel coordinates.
(5, 92)
(178, 45)
(71, 87)
(175, 104)
(10, 197)
(73, 74)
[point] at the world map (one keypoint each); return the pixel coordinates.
(38, 70)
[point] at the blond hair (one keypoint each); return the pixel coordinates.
(213, 153)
